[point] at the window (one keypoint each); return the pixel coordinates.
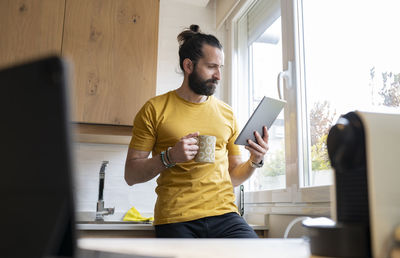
(351, 61)
(343, 56)
(262, 47)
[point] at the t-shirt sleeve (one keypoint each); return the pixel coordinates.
(144, 131)
(233, 149)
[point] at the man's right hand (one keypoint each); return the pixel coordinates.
(185, 149)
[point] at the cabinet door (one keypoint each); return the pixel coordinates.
(30, 29)
(113, 45)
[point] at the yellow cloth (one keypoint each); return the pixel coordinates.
(134, 215)
(189, 190)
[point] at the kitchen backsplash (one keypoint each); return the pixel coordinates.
(88, 159)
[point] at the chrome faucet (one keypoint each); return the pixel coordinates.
(100, 210)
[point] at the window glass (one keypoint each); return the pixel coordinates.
(351, 62)
(265, 63)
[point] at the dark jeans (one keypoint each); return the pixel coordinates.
(229, 225)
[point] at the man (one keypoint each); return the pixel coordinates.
(194, 199)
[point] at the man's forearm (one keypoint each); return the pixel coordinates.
(143, 169)
(241, 173)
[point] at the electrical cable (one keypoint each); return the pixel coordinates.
(292, 223)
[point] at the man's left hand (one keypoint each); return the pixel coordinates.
(258, 149)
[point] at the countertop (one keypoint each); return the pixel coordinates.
(200, 248)
(86, 221)
(113, 226)
(131, 226)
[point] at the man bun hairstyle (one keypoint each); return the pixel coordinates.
(191, 42)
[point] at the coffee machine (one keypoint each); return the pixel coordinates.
(363, 148)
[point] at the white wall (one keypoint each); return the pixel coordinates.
(175, 15)
(117, 193)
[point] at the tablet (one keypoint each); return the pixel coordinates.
(265, 114)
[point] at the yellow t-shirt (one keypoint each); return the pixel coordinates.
(189, 190)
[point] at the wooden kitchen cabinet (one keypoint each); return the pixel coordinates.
(30, 29)
(113, 44)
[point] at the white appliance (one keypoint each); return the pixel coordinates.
(382, 139)
(364, 150)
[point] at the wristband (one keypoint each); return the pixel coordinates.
(168, 157)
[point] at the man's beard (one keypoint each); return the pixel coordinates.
(200, 87)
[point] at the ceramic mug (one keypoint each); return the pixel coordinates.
(206, 152)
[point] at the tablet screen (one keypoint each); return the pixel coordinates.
(264, 115)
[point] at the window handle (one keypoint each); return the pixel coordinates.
(285, 75)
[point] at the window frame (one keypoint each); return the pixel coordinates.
(313, 200)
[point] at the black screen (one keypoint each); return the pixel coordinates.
(35, 180)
